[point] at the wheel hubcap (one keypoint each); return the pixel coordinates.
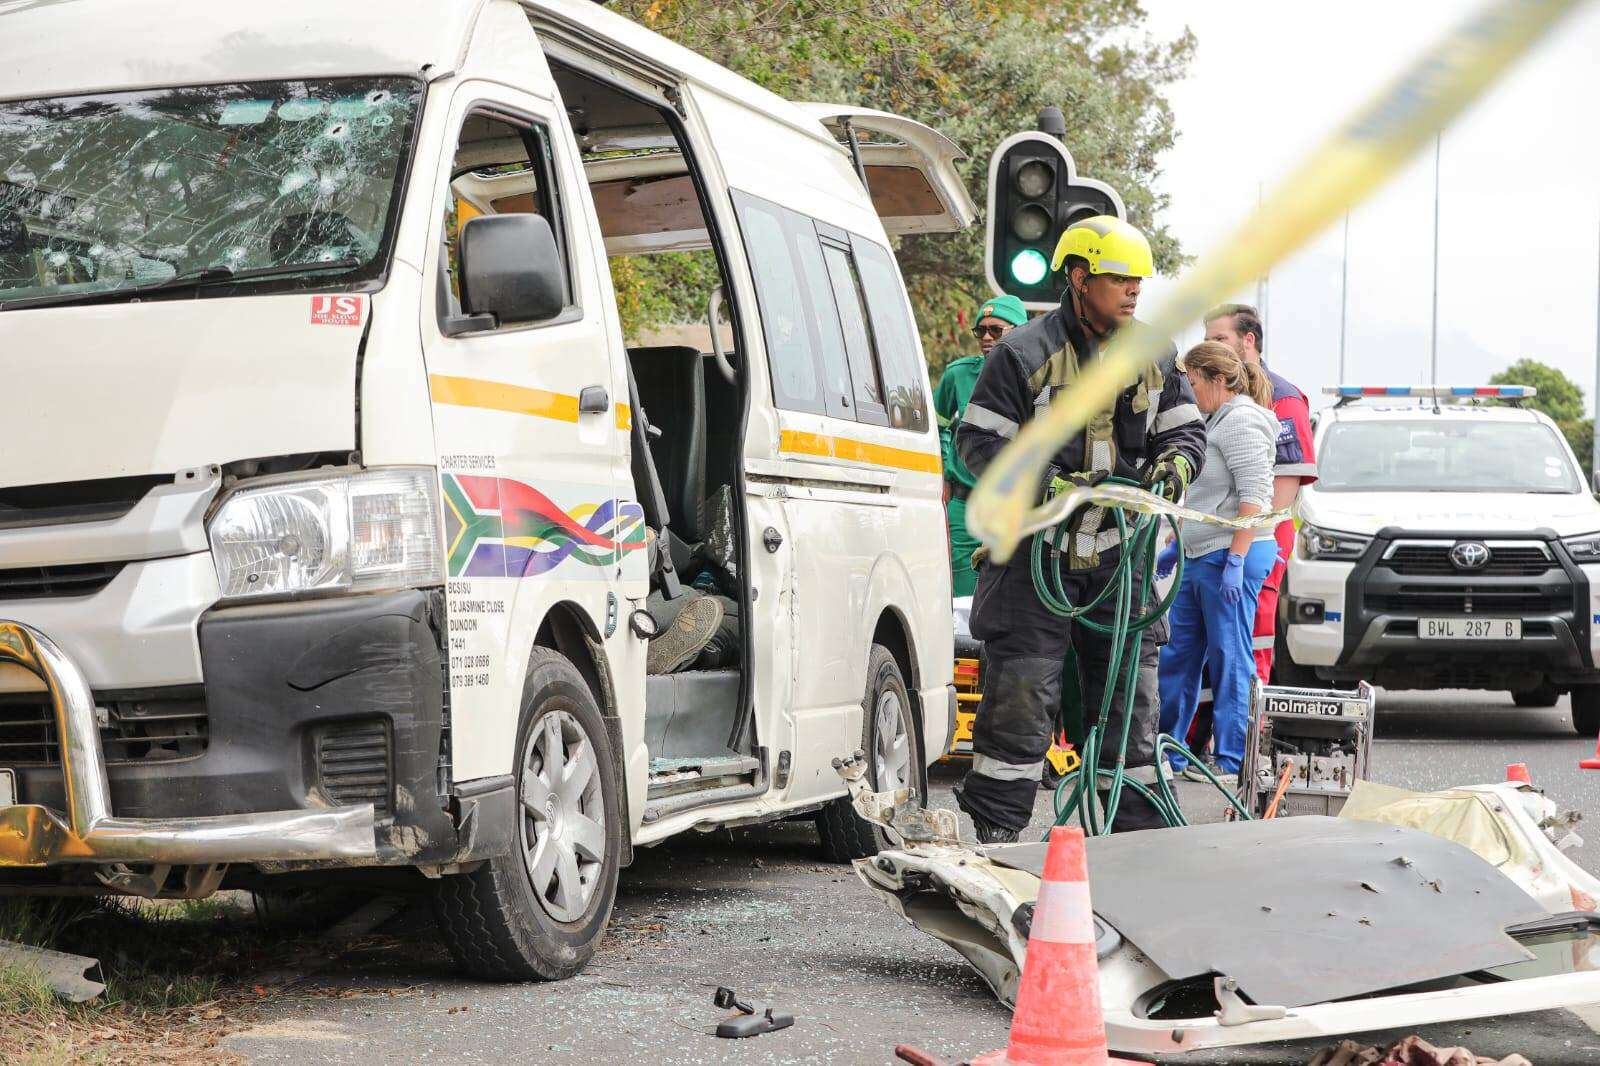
(893, 748)
(563, 825)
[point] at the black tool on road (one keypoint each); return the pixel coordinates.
(753, 1019)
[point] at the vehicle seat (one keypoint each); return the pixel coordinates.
(672, 393)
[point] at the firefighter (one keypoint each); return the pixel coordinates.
(1154, 433)
(996, 318)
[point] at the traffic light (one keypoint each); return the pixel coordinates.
(1034, 194)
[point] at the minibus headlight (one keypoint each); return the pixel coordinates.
(350, 533)
(1330, 544)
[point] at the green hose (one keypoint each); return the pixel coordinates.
(1076, 793)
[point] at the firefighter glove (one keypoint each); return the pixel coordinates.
(1077, 480)
(1172, 473)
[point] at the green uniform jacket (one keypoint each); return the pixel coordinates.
(949, 403)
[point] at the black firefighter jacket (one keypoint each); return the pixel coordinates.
(1154, 415)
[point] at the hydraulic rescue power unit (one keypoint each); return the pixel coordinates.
(1305, 749)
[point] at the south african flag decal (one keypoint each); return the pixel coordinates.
(497, 527)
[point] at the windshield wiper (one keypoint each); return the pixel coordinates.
(212, 275)
(216, 274)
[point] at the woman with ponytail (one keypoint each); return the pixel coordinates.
(1223, 571)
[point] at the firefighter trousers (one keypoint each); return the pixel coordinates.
(1024, 648)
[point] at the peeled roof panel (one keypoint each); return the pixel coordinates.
(1302, 910)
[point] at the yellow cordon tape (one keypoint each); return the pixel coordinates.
(1359, 156)
(1133, 498)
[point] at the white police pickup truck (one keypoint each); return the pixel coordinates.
(1449, 543)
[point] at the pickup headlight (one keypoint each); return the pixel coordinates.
(346, 533)
(1331, 545)
(1584, 549)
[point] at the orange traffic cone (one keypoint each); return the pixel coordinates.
(1058, 1021)
(1518, 771)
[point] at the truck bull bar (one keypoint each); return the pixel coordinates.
(33, 835)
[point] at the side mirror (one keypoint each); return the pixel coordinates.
(510, 270)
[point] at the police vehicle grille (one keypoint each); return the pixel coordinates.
(1433, 560)
(42, 582)
(1490, 600)
(154, 726)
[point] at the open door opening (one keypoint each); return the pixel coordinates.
(688, 404)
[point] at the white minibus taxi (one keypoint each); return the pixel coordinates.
(337, 515)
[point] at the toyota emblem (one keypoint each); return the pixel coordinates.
(1470, 555)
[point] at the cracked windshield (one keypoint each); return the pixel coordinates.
(122, 192)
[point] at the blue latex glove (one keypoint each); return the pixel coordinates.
(1167, 560)
(1233, 579)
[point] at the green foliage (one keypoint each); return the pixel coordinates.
(1559, 396)
(669, 288)
(1580, 434)
(976, 70)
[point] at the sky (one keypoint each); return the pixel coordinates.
(1519, 178)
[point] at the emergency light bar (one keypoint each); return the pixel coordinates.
(1439, 392)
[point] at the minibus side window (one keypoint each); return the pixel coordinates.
(787, 306)
(502, 166)
(846, 284)
(895, 336)
(837, 397)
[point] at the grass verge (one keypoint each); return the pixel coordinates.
(177, 978)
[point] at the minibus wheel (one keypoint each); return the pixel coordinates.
(538, 911)
(894, 760)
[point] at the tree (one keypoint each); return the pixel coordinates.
(977, 70)
(1559, 397)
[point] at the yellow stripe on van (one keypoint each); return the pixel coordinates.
(498, 396)
(513, 399)
(858, 451)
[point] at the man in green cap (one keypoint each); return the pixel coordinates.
(996, 317)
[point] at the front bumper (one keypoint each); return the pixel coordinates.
(1366, 618)
(326, 743)
(36, 835)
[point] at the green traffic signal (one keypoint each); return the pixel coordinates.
(1029, 266)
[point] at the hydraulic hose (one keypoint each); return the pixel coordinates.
(1131, 583)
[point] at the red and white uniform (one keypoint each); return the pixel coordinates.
(1296, 458)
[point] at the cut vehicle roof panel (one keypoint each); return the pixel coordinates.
(1302, 910)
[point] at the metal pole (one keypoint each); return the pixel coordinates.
(1344, 295)
(1433, 343)
(1595, 459)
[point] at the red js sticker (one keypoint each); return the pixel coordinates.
(336, 310)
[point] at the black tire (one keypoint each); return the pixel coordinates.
(1049, 779)
(845, 835)
(1545, 695)
(1586, 709)
(495, 924)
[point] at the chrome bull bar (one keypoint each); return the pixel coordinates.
(32, 835)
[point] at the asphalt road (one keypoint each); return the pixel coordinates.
(757, 910)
